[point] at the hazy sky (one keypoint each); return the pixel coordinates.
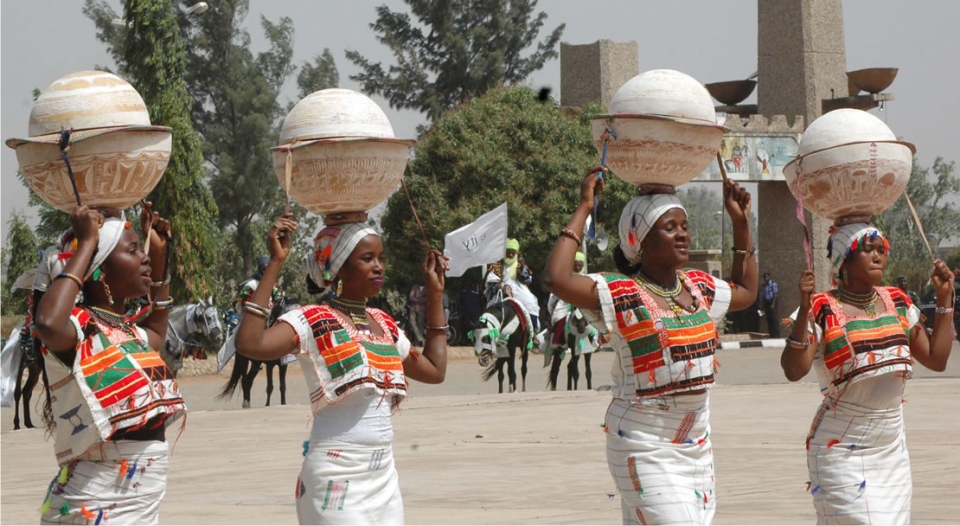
(712, 41)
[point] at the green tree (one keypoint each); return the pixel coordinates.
(20, 254)
(322, 74)
(455, 50)
(932, 191)
(503, 146)
(154, 58)
(238, 115)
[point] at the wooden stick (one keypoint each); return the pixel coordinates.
(723, 171)
(916, 218)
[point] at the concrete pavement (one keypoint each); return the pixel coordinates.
(466, 456)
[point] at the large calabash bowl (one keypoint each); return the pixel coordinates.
(330, 176)
(850, 163)
(667, 93)
(657, 150)
(861, 178)
(337, 153)
(116, 155)
(112, 169)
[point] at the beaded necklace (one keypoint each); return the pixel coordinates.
(112, 319)
(671, 295)
(867, 302)
(356, 309)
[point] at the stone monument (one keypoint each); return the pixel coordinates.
(594, 72)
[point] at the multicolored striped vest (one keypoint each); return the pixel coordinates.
(669, 353)
(337, 362)
(852, 349)
(116, 382)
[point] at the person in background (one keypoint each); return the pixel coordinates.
(417, 311)
(903, 285)
(771, 300)
(513, 277)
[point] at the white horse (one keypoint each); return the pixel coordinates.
(185, 325)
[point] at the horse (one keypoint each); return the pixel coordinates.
(504, 327)
(580, 338)
(187, 326)
(20, 354)
(245, 370)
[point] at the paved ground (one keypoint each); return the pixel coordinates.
(466, 455)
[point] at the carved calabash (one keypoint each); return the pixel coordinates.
(116, 155)
(665, 127)
(850, 164)
(341, 153)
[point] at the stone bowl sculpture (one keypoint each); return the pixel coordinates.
(337, 153)
(116, 155)
(849, 164)
(665, 127)
(872, 80)
(731, 92)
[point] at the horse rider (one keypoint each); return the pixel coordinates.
(513, 277)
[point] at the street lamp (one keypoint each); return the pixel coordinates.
(195, 9)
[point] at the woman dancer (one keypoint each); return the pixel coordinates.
(662, 324)
(109, 395)
(356, 362)
(862, 339)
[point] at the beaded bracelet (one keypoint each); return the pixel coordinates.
(162, 304)
(71, 277)
(751, 251)
(944, 310)
(796, 344)
(571, 234)
(440, 328)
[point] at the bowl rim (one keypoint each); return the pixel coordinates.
(85, 134)
(792, 168)
(653, 116)
(295, 144)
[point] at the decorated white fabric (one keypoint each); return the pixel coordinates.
(844, 240)
(331, 248)
(857, 456)
(56, 257)
(638, 218)
(343, 483)
(94, 491)
(660, 455)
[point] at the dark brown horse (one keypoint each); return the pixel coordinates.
(30, 360)
(245, 370)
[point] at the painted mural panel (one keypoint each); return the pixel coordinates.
(754, 156)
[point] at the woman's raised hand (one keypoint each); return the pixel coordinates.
(155, 229)
(434, 266)
(278, 239)
(942, 279)
(736, 200)
(86, 224)
(590, 186)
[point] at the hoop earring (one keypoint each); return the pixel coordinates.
(106, 288)
(339, 287)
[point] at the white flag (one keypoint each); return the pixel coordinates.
(479, 243)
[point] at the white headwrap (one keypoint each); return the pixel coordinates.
(54, 259)
(846, 239)
(331, 248)
(638, 218)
